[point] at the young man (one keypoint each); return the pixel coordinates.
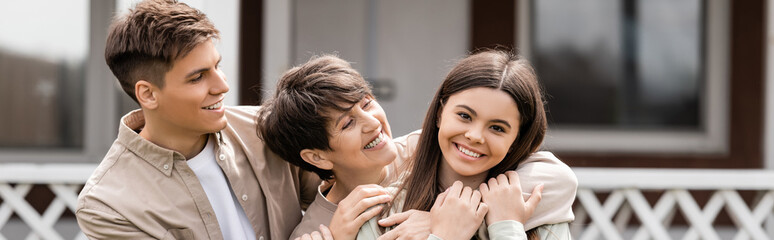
(185, 166)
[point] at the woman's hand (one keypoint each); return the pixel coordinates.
(457, 213)
(503, 196)
(353, 211)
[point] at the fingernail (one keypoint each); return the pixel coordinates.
(542, 186)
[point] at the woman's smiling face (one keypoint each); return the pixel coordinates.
(476, 129)
(360, 138)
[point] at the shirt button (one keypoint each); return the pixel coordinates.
(260, 238)
(244, 197)
(166, 166)
(222, 157)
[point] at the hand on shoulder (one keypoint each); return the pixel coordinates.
(357, 208)
(457, 213)
(503, 196)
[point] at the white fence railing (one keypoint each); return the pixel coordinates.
(612, 219)
(607, 218)
(64, 180)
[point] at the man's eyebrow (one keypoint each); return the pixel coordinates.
(201, 70)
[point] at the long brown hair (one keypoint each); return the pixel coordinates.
(494, 69)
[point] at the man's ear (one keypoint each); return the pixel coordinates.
(146, 94)
(317, 158)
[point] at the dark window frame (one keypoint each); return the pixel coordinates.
(745, 82)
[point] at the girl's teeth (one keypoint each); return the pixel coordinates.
(468, 152)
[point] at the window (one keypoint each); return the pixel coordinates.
(631, 76)
(401, 50)
(42, 79)
(53, 81)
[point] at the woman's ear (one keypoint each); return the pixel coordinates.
(146, 94)
(317, 158)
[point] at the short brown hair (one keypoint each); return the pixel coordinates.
(144, 43)
(295, 118)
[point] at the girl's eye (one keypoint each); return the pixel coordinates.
(464, 116)
(367, 104)
(349, 123)
(498, 128)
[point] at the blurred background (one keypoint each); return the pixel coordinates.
(629, 83)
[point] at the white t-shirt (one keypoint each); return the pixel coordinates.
(231, 217)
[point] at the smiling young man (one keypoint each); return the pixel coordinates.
(184, 166)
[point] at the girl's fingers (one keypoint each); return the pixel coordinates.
(365, 191)
(481, 211)
(466, 193)
(368, 214)
(439, 200)
(513, 177)
(306, 237)
(326, 233)
(316, 235)
(484, 189)
(534, 199)
(492, 183)
(455, 189)
(475, 198)
(398, 218)
(502, 179)
(369, 202)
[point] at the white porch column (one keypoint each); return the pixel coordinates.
(277, 26)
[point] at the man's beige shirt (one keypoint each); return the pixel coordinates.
(143, 191)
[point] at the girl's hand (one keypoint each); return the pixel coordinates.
(353, 211)
(412, 224)
(457, 213)
(323, 234)
(503, 196)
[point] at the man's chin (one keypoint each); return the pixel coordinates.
(218, 127)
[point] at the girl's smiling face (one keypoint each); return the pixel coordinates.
(476, 129)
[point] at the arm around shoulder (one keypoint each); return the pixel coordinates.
(513, 230)
(559, 231)
(507, 230)
(308, 183)
(560, 187)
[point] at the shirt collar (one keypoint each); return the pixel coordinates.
(160, 158)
